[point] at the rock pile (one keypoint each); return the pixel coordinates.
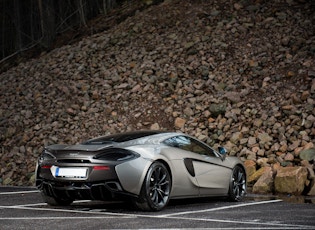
(234, 73)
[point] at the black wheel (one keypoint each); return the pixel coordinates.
(156, 188)
(54, 201)
(237, 188)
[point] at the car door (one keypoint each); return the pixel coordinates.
(205, 166)
(213, 179)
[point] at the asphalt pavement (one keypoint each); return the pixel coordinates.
(23, 208)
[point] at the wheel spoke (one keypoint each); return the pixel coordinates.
(163, 178)
(239, 183)
(155, 197)
(240, 176)
(236, 190)
(159, 186)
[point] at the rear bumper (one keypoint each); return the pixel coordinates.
(108, 190)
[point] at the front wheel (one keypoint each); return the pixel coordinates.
(237, 189)
(156, 188)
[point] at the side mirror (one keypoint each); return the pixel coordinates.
(223, 152)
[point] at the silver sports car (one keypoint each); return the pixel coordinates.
(147, 167)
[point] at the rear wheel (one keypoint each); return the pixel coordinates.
(237, 189)
(156, 188)
(54, 201)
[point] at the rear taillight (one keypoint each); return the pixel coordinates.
(101, 167)
(46, 166)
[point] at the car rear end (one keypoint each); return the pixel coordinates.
(81, 174)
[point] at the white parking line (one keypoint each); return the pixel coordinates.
(221, 208)
(59, 218)
(286, 226)
(20, 192)
(63, 210)
(29, 205)
(41, 204)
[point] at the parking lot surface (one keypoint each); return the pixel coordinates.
(23, 208)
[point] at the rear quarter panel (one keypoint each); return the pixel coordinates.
(132, 173)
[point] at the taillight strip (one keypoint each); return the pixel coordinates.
(101, 167)
(46, 166)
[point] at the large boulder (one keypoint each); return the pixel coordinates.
(291, 180)
(265, 183)
(250, 167)
(256, 175)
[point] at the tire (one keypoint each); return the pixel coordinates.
(237, 189)
(156, 188)
(54, 201)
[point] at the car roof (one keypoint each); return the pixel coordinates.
(127, 136)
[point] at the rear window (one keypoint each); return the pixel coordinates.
(121, 137)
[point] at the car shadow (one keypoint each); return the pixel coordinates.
(128, 207)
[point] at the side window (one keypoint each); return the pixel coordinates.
(189, 144)
(178, 142)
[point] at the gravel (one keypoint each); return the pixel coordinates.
(235, 73)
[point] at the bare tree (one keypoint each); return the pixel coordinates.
(29, 23)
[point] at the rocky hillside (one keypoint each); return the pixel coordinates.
(234, 73)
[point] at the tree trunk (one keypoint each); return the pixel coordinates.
(47, 16)
(82, 13)
(17, 25)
